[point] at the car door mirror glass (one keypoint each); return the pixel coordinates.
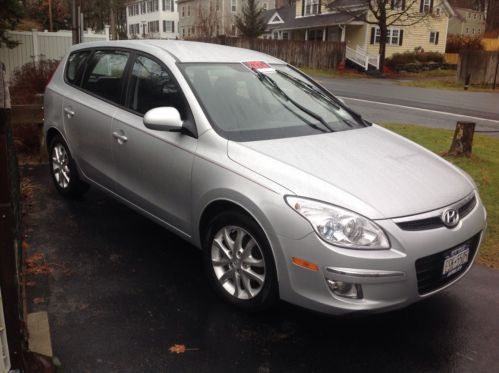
(163, 119)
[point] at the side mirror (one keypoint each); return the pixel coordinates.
(163, 119)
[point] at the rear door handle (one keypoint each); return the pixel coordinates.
(120, 138)
(69, 112)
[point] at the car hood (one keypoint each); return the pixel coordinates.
(371, 171)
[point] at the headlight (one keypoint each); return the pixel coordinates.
(338, 226)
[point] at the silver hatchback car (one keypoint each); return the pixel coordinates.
(288, 192)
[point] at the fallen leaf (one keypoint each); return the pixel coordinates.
(39, 300)
(178, 349)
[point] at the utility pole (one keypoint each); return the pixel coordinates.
(51, 28)
(74, 28)
(112, 16)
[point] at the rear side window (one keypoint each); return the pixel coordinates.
(104, 76)
(75, 66)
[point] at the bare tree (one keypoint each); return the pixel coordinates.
(206, 22)
(385, 14)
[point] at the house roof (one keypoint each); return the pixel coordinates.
(287, 14)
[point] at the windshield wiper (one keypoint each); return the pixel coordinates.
(310, 89)
(318, 93)
(269, 82)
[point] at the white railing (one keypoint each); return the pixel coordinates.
(36, 45)
(362, 58)
(4, 348)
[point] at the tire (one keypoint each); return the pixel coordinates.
(243, 274)
(63, 169)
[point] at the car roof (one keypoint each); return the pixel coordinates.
(188, 51)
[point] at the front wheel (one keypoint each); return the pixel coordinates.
(63, 169)
(239, 262)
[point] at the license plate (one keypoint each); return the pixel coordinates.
(456, 260)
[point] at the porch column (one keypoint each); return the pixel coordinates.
(343, 32)
(324, 33)
(306, 34)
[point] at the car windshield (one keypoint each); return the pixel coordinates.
(245, 103)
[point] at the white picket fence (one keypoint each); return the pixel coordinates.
(36, 45)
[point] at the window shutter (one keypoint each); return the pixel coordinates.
(302, 7)
(403, 4)
(421, 6)
(401, 36)
(373, 33)
(320, 7)
(431, 6)
(392, 4)
(436, 37)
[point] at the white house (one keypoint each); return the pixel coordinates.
(152, 19)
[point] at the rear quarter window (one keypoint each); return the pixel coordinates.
(75, 66)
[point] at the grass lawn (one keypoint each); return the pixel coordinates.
(483, 166)
(447, 83)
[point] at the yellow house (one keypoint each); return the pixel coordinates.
(422, 25)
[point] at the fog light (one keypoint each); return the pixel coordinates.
(345, 289)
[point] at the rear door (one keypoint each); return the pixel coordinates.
(88, 110)
(153, 168)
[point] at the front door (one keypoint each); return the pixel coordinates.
(153, 168)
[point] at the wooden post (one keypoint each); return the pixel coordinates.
(8, 257)
(462, 142)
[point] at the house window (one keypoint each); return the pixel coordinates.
(285, 35)
(479, 31)
(143, 7)
(217, 7)
(474, 16)
(434, 37)
(153, 26)
(437, 12)
(467, 30)
(275, 35)
(168, 26)
(393, 36)
(311, 7)
(183, 32)
(188, 10)
(473, 31)
(183, 11)
(168, 5)
(233, 6)
(426, 6)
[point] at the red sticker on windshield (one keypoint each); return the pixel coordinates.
(260, 66)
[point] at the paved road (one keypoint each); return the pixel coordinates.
(124, 290)
(385, 101)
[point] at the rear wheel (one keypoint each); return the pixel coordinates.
(239, 261)
(63, 169)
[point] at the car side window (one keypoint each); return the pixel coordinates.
(75, 65)
(105, 74)
(152, 86)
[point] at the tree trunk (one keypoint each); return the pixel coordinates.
(463, 139)
(383, 31)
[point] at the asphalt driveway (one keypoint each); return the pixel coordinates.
(123, 290)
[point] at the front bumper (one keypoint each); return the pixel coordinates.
(388, 277)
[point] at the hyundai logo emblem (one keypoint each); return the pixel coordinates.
(450, 218)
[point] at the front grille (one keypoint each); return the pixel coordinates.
(429, 269)
(435, 221)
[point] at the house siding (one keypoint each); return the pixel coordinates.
(417, 35)
(473, 21)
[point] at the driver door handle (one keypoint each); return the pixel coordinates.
(120, 137)
(69, 112)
